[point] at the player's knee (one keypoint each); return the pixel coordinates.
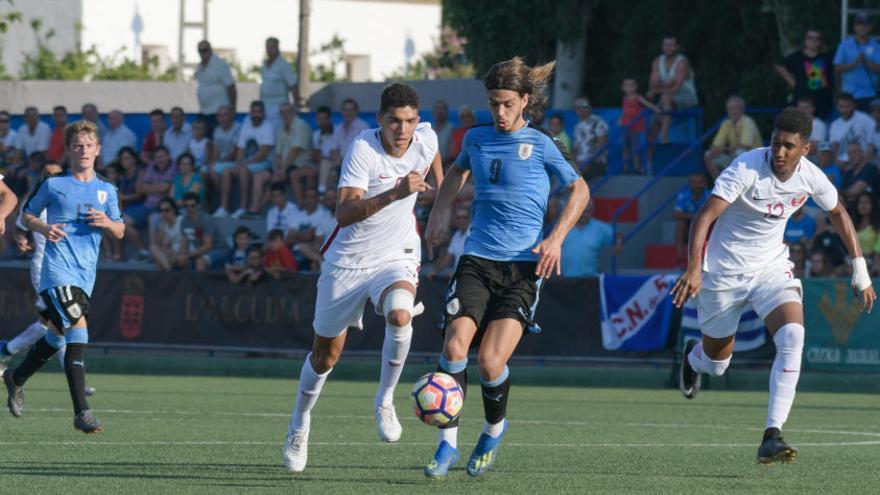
(455, 349)
(324, 359)
(398, 307)
(789, 338)
(491, 366)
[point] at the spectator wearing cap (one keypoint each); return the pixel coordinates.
(858, 62)
(809, 72)
(852, 125)
(820, 128)
(590, 134)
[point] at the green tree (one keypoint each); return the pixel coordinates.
(329, 71)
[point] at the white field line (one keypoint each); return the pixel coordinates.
(530, 445)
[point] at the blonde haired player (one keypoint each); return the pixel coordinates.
(373, 253)
(746, 263)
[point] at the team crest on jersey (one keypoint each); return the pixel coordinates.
(102, 197)
(798, 201)
(525, 150)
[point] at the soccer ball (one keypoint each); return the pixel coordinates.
(438, 398)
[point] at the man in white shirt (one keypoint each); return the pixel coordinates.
(252, 162)
(277, 81)
(216, 84)
(746, 264)
(310, 225)
(89, 112)
(343, 135)
(178, 136)
(118, 136)
(282, 213)
(852, 125)
(373, 253)
(34, 134)
(440, 124)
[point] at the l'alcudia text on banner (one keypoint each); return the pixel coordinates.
(636, 311)
(838, 335)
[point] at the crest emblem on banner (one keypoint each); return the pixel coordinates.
(525, 150)
(102, 197)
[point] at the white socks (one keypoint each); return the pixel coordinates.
(394, 351)
(493, 430)
(701, 363)
(310, 384)
(27, 338)
(449, 435)
(786, 371)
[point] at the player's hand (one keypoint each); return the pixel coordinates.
(98, 219)
(414, 182)
(436, 231)
(549, 253)
(22, 244)
(866, 298)
(55, 232)
(686, 287)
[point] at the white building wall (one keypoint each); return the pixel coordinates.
(59, 15)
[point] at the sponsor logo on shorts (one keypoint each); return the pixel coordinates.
(453, 306)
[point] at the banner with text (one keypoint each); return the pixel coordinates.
(636, 311)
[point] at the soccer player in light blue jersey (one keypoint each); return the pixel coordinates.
(80, 206)
(493, 294)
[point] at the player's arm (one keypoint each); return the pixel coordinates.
(861, 280)
(438, 221)
(550, 248)
(437, 170)
(688, 285)
(7, 204)
(783, 72)
(351, 207)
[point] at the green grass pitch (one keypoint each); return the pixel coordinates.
(186, 434)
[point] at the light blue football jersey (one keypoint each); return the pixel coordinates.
(73, 260)
(511, 173)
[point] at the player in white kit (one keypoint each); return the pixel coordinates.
(745, 262)
(374, 254)
(36, 330)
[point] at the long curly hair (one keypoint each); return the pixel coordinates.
(515, 75)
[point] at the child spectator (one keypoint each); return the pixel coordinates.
(187, 179)
(237, 261)
(556, 128)
(278, 259)
(200, 145)
(253, 270)
(633, 121)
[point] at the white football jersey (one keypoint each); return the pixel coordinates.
(39, 247)
(389, 234)
(747, 237)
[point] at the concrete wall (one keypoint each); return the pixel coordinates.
(456, 92)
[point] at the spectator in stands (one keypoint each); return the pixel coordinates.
(187, 180)
(200, 145)
(671, 83)
(852, 125)
(8, 142)
(809, 73)
(205, 246)
(168, 243)
(216, 84)
(27, 176)
(687, 203)
(89, 112)
(875, 137)
(56, 142)
(308, 228)
(237, 261)
(343, 135)
(738, 133)
(282, 212)
(581, 249)
(858, 176)
(253, 271)
(800, 227)
(590, 135)
(277, 259)
(117, 136)
(131, 200)
(866, 218)
(820, 128)
(177, 137)
(329, 202)
(293, 145)
(466, 120)
(857, 61)
(556, 128)
(34, 134)
(223, 147)
(252, 160)
(819, 265)
(797, 254)
(827, 241)
(440, 124)
(154, 184)
(446, 259)
(154, 136)
(825, 161)
(633, 120)
(278, 80)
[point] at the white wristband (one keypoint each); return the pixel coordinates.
(860, 278)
